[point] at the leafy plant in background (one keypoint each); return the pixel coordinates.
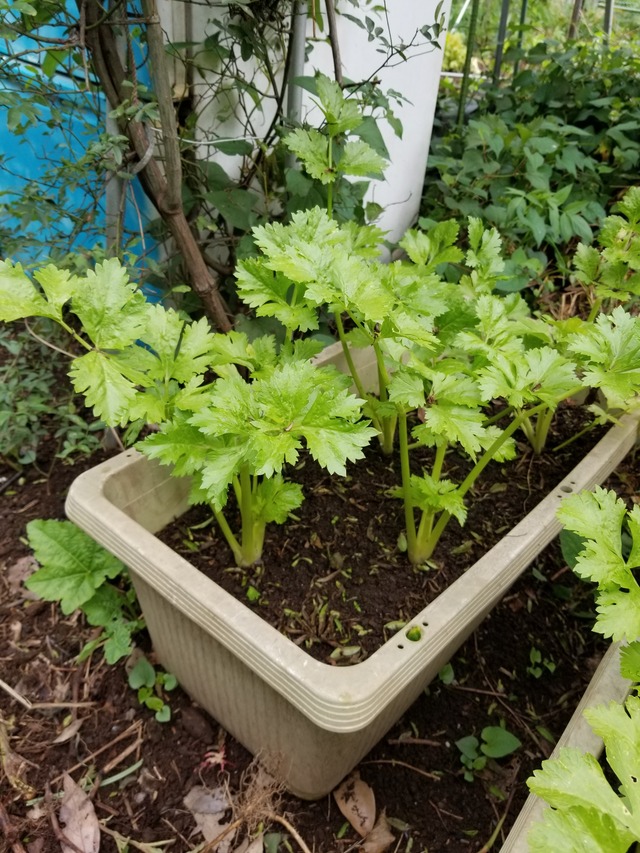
(586, 811)
(332, 153)
(494, 742)
(221, 168)
(79, 574)
(36, 407)
(544, 155)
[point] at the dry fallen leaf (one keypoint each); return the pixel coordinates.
(252, 846)
(357, 803)
(68, 732)
(380, 837)
(17, 574)
(81, 825)
(211, 811)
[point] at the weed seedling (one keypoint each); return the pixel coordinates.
(496, 742)
(150, 685)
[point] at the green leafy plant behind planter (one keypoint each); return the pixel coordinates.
(76, 572)
(544, 155)
(586, 811)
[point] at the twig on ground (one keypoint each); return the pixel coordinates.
(10, 832)
(397, 763)
(413, 741)
(15, 695)
(124, 754)
(293, 832)
(133, 729)
(496, 832)
(145, 848)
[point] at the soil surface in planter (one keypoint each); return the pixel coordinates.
(525, 667)
(335, 578)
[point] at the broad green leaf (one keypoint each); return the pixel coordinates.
(435, 247)
(579, 830)
(194, 351)
(58, 285)
(430, 495)
(498, 742)
(550, 377)
(270, 292)
(619, 613)
(182, 349)
(452, 424)
(235, 205)
(104, 606)
(119, 642)
(273, 415)
(342, 114)
(359, 158)
(275, 499)
(106, 390)
(112, 311)
(630, 661)
(587, 262)
(575, 779)
(407, 388)
(18, 296)
(597, 513)
(619, 727)
(221, 464)
(310, 146)
(610, 349)
(358, 285)
(180, 444)
(73, 565)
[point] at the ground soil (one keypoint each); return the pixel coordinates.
(415, 771)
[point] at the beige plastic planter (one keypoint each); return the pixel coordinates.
(607, 685)
(319, 720)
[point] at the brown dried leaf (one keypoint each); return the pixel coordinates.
(252, 846)
(67, 733)
(211, 810)
(380, 837)
(17, 574)
(357, 802)
(81, 825)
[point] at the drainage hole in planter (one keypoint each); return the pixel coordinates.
(566, 489)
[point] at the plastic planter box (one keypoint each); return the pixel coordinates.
(317, 721)
(607, 685)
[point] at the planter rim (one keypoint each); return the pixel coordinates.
(340, 699)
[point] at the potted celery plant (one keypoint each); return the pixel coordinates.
(428, 348)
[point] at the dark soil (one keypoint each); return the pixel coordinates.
(415, 771)
(335, 578)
